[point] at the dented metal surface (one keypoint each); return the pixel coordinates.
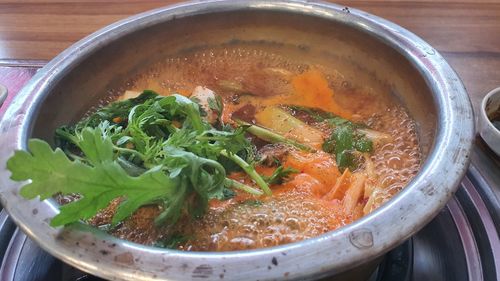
(437, 100)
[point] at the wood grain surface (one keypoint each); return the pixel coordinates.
(466, 32)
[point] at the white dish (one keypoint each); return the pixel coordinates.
(488, 132)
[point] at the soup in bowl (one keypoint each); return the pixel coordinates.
(322, 151)
(231, 128)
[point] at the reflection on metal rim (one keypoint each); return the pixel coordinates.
(3, 94)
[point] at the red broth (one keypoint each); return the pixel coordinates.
(319, 197)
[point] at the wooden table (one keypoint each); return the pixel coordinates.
(466, 32)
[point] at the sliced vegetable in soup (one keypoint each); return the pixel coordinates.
(228, 150)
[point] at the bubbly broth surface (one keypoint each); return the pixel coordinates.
(317, 198)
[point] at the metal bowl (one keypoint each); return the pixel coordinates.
(365, 48)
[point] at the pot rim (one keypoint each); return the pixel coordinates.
(339, 250)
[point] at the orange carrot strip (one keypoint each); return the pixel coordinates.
(342, 184)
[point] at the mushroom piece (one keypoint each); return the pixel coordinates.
(129, 95)
(209, 103)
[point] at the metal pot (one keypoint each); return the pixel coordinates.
(365, 49)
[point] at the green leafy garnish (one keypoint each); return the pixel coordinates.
(146, 150)
(51, 172)
(280, 175)
(344, 142)
(272, 137)
(228, 193)
(320, 116)
(118, 110)
(216, 105)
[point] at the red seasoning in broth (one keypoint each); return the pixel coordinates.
(318, 196)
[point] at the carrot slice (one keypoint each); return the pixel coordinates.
(306, 183)
(319, 165)
(342, 184)
(312, 90)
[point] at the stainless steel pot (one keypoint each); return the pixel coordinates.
(365, 49)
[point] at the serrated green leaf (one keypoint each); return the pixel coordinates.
(51, 172)
(343, 142)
